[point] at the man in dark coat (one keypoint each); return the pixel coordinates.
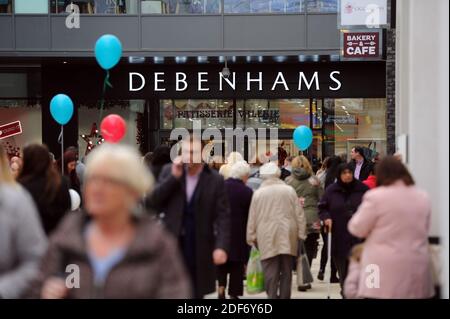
(336, 208)
(193, 204)
(359, 164)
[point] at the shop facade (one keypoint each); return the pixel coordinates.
(284, 59)
(344, 103)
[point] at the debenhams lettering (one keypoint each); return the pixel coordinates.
(254, 80)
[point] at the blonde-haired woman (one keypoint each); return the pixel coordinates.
(307, 187)
(232, 158)
(119, 253)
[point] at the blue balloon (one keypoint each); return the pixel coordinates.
(303, 137)
(108, 51)
(61, 108)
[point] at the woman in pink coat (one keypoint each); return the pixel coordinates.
(394, 218)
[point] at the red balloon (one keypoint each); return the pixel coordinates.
(113, 128)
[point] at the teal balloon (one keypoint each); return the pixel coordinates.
(108, 51)
(303, 137)
(61, 108)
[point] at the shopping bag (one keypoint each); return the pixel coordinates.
(255, 276)
(304, 275)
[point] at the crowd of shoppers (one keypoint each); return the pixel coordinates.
(206, 218)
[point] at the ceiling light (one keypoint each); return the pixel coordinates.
(180, 59)
(158, 59)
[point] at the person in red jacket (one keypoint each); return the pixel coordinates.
(371, 181)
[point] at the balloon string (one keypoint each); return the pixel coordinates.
(102, 101)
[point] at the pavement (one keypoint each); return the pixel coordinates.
(319, 288)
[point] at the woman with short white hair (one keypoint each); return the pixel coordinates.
(239, 196)
(276, 222)
(232, 158)
(119, 253)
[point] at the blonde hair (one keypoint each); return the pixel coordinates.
(125, 166)
(5, 171)
(302, 162)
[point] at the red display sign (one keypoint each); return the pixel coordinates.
(361, 45)
(10, 129)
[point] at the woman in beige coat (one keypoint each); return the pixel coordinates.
(276, 223)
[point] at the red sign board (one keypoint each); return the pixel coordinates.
(10, 129)
(361, 44)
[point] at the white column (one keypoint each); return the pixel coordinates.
(422, 105)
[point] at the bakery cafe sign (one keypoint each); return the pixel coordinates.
(361, 44)
(248, 81)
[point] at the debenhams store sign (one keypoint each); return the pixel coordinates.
(338, 80)
(253, 82)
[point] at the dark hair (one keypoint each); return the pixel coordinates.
(156, 161)
(38, 163)
(332, 166)
(389, 170)
(342, 167)
(372, 168)
(360, 151)
(70, 156)
(161, 155)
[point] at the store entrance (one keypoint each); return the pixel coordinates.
(337, 124)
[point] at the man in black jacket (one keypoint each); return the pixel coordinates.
(359, 164)
(193, 204)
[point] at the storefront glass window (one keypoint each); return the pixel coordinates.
(182, 113)
(28, 113)
(5, 6)
(131, 111)
(282, 113)
(337, 124)
(263, 6)
(321, 5)
(96, 6)
(293, 112)
(166, 114)
(180, 7)
(351, 122)
(31, 6)
(316, 109)
(258, 113)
